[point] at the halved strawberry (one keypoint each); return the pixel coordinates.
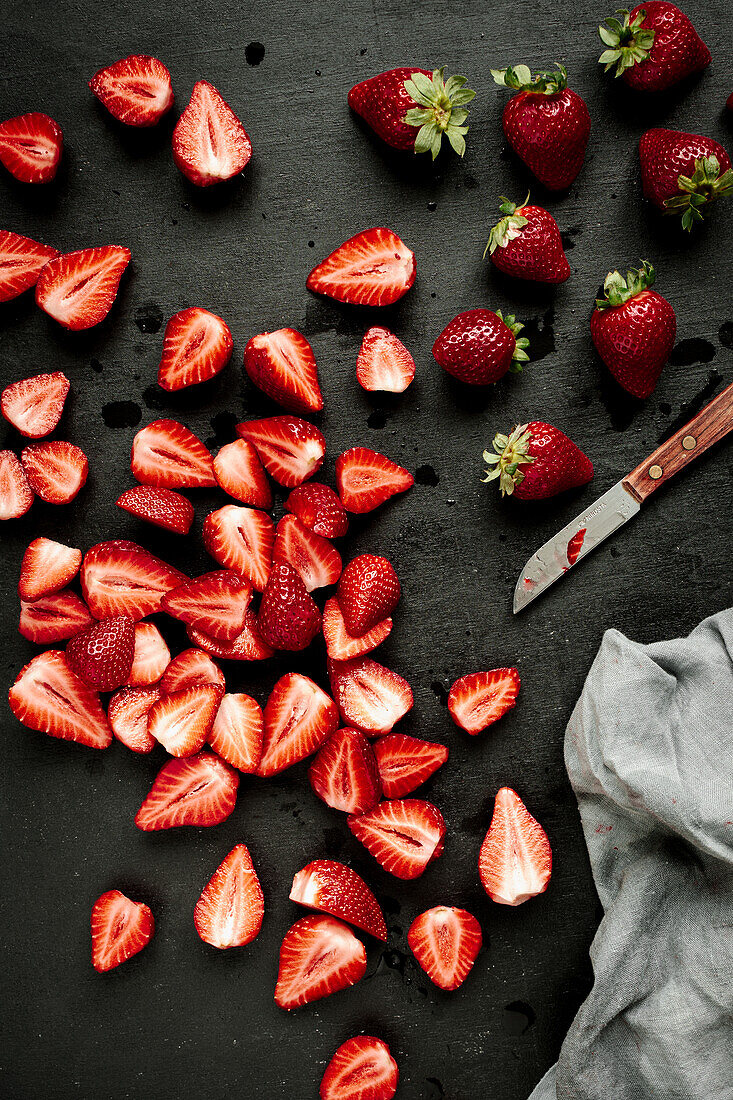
(298, 718)
(34, 405)
(249, 645)
(515, 862)
(53, 618)
(288, 617)
(21, 261)
(384, 364)
(30, 147)
(477, 700)
(314, 559)
(333, 888)
(122, 578)
(128, 712)
(373, 268)
(191, 668)
(344, 773)
(283, 366)
(319, 956)
(241, 539)
(181, 721)
(342, 646)
(196, 790)
(319, 508)
(403, 835)
(210, 144)
(167, 455)
(290, 449)
(102, 654)
(135, 90)
(49, 697)
(368, 592)
(236, 735)
(240, 473)
(369, 696)
(16, 495)
(120, 928)
(161, 507)
(361, 1069)
(230, 910)
(151, 657)
(406, 762)
(196, 346)
(446, 942)
(215, 603)
(78, 289)
(47, 567)
(56, 470)
(365, 479)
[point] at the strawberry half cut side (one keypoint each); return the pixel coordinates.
(30, 147)
(361, 1069)
(403, 835)
(515, 862)
(191, 668)
(318, 956)
(344, 773)
(446, 942)
(120, 928)
(34, 405)
(342, 646)
(241, 539)
(166, 455)
(47, 696)
(122, 578)
(384, 365)
(231, 907)
(479, 699)
(196, 790)
(317, 563)
(373, 268)
(237, 733)
(136, 90)
(298, 718)
(21, 261)
(369, 696)
(16, 495)
(128, 712)
(53, 618)
(210, 144)
(290, 449)
(405, 763)
(78, 289)
(56, 470)
(365, 479)
(215, 603)
(283, 366)
(47, 567)
(196, 346)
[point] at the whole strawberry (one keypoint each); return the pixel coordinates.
(102, 654)
(683, 173)
(368, 592)
(526, 243)
(479, 347)
(288, 617)
(536, 461)
(633, 329)
(546, 124)
(652, 47)
(411, 109)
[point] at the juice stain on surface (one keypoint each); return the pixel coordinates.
(377, 420)
(440, 692)
(96, 366)
(693, 406)
(725, 334)
(149, 317)
(692, 351)
(541, 336)
(154, 397)
(253, 53)
(518, 1017)
(121, 414)
(426, 475)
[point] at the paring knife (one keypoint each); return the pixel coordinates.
(623, 501)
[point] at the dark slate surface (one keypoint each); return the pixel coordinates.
(182, 1018)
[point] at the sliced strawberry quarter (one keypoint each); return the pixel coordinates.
(53, 618)
(361, 1069)
(196, 790)
(78, 289)
(241, 539)
(319, 956)
(290, 449)
(181, 721)
(215, 603)
(196, 346)
(311, 556)
(231, 907)
(283, 366)
(369, 696)
(344, 773)
(240, 473)
(34, 405)
(166, 455)
(210, 144)
(30, 147)
(122, 578)
(515, 862)
(406, 762)
(373, 268)
(237, 732)
(151, 656)
(21, 262)
(366, 479)
(384, 364)
(333, 888)
(477, 700)
(403, 835)
(298, 718)
(128, 712)
(161, 507)
(56, 470)
(120, 929)
(136, 90)
(47, 696)
(47, 567)
(16, 495)
(191, 668)
(342, 646)
(446, 942)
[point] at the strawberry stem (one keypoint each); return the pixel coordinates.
(519, 78)
(627, 40)
(520, 345)
(618, 290)
(440, 111)
(705, 185)
(510, 453)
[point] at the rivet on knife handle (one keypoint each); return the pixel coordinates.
(710, 425)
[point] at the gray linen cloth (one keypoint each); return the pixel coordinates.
(649, 752)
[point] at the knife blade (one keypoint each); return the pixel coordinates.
(622, 502)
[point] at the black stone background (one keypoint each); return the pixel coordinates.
(182, 1018)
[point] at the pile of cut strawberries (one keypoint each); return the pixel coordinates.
(279, 587)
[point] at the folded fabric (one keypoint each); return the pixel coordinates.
(649, 752)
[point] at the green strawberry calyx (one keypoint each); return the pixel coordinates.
(505, 462)
(440, 111)
(705, 185)
(520, 345)
(519, 78)
(617, 290)
(627, 40)
(509, 228)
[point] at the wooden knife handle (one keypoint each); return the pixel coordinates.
(710, 425)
